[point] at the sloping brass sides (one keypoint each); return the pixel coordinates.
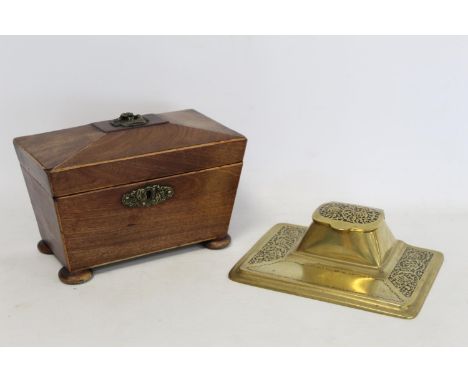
(307, 262)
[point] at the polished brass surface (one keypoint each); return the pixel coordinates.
(147, 196)
(347, 256)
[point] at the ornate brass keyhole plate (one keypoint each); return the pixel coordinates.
(147, 196)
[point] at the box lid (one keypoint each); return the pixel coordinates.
(109, 153)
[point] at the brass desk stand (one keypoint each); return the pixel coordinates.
(347, 256)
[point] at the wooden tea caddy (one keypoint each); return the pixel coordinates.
(119, 189)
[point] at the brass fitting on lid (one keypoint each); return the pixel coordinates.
(129, 120)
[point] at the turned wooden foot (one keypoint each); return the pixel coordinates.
(74, 278)
(218, 243)
(44, 248)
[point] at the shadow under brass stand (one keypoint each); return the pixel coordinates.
(347, 256)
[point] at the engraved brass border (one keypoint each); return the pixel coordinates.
(401, 292)
(347, 256)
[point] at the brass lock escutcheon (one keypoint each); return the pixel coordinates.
(129, 120)
(147, 196)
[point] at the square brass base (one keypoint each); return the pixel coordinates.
(398, 290)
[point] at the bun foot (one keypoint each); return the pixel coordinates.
(44, 248)
(218, 243)
(74, 278)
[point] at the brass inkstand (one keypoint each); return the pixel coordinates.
(347, 256)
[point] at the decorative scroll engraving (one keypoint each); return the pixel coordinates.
(279, 245)
(147, 196)
(349, 213)
(409, 270)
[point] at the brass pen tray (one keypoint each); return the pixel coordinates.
(347, 256)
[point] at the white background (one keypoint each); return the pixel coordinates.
(380, 121)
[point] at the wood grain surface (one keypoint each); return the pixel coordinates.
(76, 178)
(46, 217)
(98, 229)
(154, 165)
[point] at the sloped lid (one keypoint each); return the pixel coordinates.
(100, 144)
(87, 145)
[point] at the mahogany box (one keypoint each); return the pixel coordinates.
(139, 184)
